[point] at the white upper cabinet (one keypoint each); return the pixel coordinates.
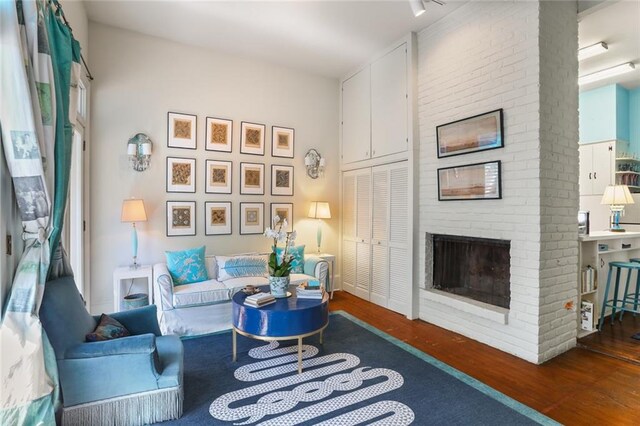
(356, 117)
(389, 103)
(375, 119)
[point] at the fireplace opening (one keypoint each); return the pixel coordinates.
(476, 268)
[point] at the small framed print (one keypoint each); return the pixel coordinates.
(481, 181)
(217, 218)
(219, 134)
(251, 218)
(181, 218)
(478, 133)
(251, 178)
(218, 177)
(252, 138)
(181, 130)
(281, 180)
(282, 140)
(283, 211)
(181, 174)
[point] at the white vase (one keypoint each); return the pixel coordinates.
(279, 286)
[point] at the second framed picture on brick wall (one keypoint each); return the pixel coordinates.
(281, 180)
(217, 218)
(218, 177)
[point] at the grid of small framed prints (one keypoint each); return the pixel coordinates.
(221, 174)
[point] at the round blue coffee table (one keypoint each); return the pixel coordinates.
(286, 319)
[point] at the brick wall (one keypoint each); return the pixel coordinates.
(558, 176)
(482, 57)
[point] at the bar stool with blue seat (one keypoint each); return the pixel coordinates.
(620, 304)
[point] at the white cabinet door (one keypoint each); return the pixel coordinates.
(349, 206)
(400, 283)
(363, 270)
(586, 169)
(603, 160)
(356, 117)
(363, 206)
(349, 266)
(380, 205)
(389, 103)
(379, 274)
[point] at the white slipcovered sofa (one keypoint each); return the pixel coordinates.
(205, 307)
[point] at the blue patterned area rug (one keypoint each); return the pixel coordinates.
(360, 375)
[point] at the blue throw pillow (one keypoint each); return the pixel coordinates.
(297, 264)
(187, 266)
(107, 329)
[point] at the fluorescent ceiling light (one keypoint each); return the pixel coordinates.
(417, 7)
(593, 50)
(606, 73)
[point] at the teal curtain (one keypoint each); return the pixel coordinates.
(37, 74)
(65, 55)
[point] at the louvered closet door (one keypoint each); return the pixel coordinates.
(349, 232)
(379, 236)
(363, 233)
(399, 239)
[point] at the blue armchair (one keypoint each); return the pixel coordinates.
(131, 380)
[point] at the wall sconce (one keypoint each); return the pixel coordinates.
(314, 163)
(139, 150)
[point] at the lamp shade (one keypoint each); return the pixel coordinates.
(133, 211)
(617, 195)
(319, 210)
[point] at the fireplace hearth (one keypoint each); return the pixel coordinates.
(475, 268)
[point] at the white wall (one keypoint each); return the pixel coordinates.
(482, 57)
(10, 223)
(138, 79)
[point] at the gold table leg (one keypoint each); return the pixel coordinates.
(234, 344)
(299, 355)
(321, 336)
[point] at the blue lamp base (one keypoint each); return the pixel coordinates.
(615, 225)
(134, 246)
(319, 235)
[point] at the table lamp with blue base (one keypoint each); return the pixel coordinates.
(133, 211)
(319, 210)
(617, 196)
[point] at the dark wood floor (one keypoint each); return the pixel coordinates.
(578, 387)
(616, 340)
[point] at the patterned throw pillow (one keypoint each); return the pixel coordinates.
(241, 266)
(187, 266)
(297, 264)
(107, 329)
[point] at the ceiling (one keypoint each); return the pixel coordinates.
(329, 38)
(618, 24)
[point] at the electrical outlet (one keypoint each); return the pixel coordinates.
(9, 245)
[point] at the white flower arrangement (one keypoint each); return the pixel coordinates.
(283, 269)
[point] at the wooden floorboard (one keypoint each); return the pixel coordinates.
(578, 387)
(616, 340)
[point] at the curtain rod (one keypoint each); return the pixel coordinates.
(64, 18)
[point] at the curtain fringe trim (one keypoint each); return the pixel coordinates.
(138, 409)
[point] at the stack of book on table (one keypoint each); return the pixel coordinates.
(310, 290)
(259, 300)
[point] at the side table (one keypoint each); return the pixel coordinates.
(124, 273)
(331, 260)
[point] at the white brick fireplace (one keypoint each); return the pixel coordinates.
(521, 57)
